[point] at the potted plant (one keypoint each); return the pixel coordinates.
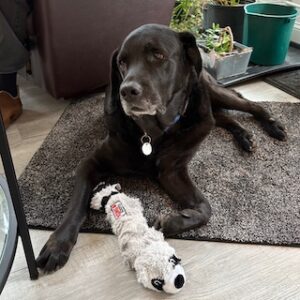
(187, 16)
(222, 57)
(226, 13)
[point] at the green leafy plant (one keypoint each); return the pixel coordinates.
(187, 16)
(226, 2)
(219, 40)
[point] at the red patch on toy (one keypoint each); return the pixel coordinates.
(118, 210)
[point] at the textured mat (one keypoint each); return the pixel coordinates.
(255, 198)
(286, 81)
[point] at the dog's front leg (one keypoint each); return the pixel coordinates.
(174, 178)
(57, 250)
(196, 210)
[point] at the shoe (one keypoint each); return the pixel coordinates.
(11, 107)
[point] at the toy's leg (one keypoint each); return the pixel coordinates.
(97, 167)
(196, 209)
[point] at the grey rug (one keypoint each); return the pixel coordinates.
(255, 198)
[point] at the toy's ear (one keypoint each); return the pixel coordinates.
(175, 260)
(112, 94)
(118, 187)
(191, 50)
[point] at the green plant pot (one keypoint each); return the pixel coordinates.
(268, 29)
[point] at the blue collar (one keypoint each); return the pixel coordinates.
(176, 119)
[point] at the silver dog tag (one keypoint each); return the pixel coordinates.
(146, 144)
(147, 149)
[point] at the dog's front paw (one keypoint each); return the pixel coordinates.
(247, 141)
(181, 221)
(275, 129)
(54, 254)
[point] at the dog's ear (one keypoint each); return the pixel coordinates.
(191, 50)
(112, 94)
(115, 75)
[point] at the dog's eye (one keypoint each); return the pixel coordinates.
(158, 283)
(122, 65)
(159, 55)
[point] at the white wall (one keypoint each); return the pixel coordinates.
(296, 33)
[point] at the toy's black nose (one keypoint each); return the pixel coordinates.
(179, 281)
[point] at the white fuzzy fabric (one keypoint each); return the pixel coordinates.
(142, 248)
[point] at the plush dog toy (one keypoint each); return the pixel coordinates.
(143, 249)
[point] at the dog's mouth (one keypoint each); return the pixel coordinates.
(137, 112)
(141, 110)
(136, 109)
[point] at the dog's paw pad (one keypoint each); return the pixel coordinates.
(247, 141)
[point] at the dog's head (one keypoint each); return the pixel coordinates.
(152, 65)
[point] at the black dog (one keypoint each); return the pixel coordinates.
(161, 103)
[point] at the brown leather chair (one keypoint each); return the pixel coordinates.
(75, 39)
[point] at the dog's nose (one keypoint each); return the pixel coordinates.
(130, 90)
(179, 281)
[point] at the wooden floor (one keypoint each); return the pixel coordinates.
(95, 269)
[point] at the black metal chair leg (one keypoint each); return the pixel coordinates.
(17, 203)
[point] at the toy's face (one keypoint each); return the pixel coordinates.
(159, 269)
(173, 281)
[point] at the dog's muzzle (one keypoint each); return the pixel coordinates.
(136, 101)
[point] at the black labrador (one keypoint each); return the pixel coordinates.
(160, 106)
